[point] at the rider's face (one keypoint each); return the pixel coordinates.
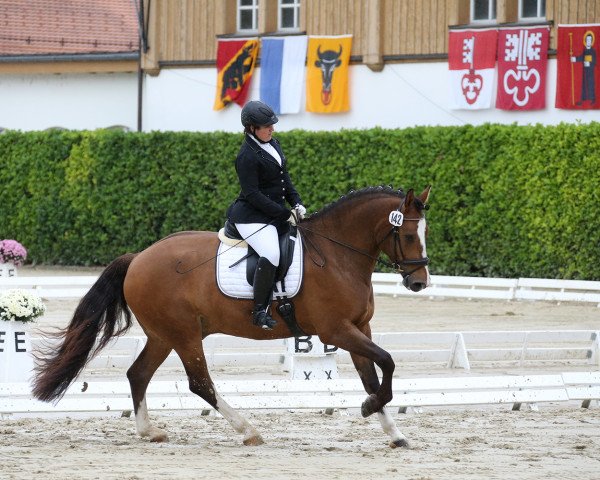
(264, 133)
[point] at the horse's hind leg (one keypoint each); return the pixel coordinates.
(194, 362)
(139, 375)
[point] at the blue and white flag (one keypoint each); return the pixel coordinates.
(282, 69)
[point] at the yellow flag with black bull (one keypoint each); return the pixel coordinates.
(327, 83)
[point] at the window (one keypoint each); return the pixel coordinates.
(289, 15)
(532, 9)
(247, 17)
(483, 11)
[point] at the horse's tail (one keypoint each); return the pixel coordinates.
(102, 308)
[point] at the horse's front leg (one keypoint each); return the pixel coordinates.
(359, 344)
(368, 375)
(370, 380)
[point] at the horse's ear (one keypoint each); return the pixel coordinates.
(425, 195)
(410, 197)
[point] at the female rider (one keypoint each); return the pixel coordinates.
(259, 212)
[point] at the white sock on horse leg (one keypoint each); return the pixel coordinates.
(389, 426)
(239, 423)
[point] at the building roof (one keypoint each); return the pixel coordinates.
(42, 27)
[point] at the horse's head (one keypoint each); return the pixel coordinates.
(368, 222)
(405, 244)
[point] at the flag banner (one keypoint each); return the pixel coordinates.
(578, 75)
(282, 61)
(522, 62)
(471, 61)
(235, 64)
(327, 83)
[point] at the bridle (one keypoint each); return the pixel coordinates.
(400, 262)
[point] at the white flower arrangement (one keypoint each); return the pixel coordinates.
(20, 306)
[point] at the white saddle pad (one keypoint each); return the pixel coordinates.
(232, 280)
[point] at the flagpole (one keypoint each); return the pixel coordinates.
(572, 67)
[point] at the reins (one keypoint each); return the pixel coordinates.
(396, 265)
(302, 228)
(218, 254)
(400, 262)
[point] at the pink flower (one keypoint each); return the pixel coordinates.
(12, 251)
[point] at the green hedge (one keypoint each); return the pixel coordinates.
(507, 200)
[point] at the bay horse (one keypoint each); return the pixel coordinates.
(178, 307)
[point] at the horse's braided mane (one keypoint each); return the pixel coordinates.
(354, 194)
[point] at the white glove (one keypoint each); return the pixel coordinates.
(300, 210)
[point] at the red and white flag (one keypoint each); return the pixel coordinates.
(578, 70)
(472, 60)
(522, 62)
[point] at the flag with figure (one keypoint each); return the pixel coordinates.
(578, 71)
(235, 64)
(327, 68)
(282, 62)
(522, 60)
(471, 61)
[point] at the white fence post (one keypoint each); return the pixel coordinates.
(595, 356)
(458, 356)
(139, 346)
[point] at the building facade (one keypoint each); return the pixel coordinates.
(398, 72)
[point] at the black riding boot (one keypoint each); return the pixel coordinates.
(264, 279)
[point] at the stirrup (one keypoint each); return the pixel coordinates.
(263, 320)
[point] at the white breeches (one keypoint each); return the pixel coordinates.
(264, 240)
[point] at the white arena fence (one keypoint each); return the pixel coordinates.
(383, 284)
(514, 390)
(494, 288)
(302, 390)
(457, 350)
(462, 350)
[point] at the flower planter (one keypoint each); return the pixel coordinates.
(16, 362)
(12, 255)
(18, 308)
(8, 269)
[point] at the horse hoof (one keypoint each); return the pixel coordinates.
(159, 437)
(254, 441)
(154, 435)
(367, 409)
(401, 443)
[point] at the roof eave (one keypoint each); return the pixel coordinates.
(70, 57)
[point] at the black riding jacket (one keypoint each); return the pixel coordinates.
(265, 186)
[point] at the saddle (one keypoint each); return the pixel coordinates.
(229, 235)
(286, 249)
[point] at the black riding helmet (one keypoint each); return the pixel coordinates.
(259, 114)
